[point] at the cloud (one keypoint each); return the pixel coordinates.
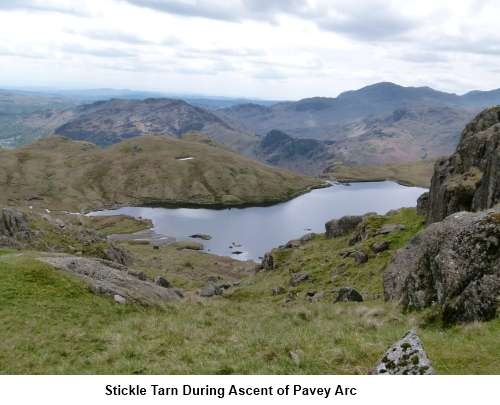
(97, 52)
(115, 36)
(40, 6)
(367, 21)
(483, 46)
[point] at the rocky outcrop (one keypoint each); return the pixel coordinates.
(14, 224)
(298, 278)
(112, 279)
(342, 226)
(346, 294)
(454, 264)
(423, 204)
(405, 357)
(469, 180)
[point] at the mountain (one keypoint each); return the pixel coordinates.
(307, 156)
(107, 122)
(323, 117)
(60, 173)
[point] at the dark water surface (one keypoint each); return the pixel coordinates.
(257, 230)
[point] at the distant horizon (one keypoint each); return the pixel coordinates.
(271, 50)
(167, 94)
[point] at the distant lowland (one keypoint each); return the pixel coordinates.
(379, 125)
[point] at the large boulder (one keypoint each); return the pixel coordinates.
(405, 357)
(342, 226)
(469, 180)
(112, 279)
(13, 223)
(454, 264)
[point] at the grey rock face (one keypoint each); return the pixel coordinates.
(405, 357)
(162, 282)
(360, 257)
(454, 263)
(13, 223)
(298, 278)
(268, 262)
(379, 247)
(469, 180)
(346, 294)
(211, 290)
(112, 279)
(389, 228)
(342, 226)
(118, 255)
(423, 204)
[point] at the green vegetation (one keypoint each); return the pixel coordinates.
(417, 173)
(63, 174)
(117, 224)
(52, 323)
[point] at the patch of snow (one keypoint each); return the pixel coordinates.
(186, 158)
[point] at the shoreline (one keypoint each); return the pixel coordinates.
(213, 206)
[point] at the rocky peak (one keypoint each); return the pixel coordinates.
(469, 180)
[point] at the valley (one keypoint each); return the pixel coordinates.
(273, 269)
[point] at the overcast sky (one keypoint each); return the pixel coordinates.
(275, 49)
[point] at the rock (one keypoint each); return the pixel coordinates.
(162, 282)
(342, 226)
(454, 264)
(307, 237)
(423, 204)
(278, 290)
(346, 294)
(295, 356)
(14, 224)
(110, 278)
(315, 296)
(203, 236)
(468, 179)
(360, 257)
(379, 247)
(346, 253)
(211, 290)
(118, 255)
(293, 244)
(389, 228)
(405, 357)
(119, 299)
(298, 278)
(269, 261)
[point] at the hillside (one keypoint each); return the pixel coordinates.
(108, 122)
(261, 323)
(58, 173)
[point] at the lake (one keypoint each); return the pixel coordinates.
(256, 230)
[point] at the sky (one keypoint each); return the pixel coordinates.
(270, 49)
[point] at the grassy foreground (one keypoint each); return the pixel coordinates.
(53, 324)
(417, 173)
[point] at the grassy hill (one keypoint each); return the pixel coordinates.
(58, 173)
(54, 324)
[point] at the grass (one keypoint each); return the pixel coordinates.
(417, 173)
(117, 224)
(63, 174)
(328, 270)
(53, 324)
